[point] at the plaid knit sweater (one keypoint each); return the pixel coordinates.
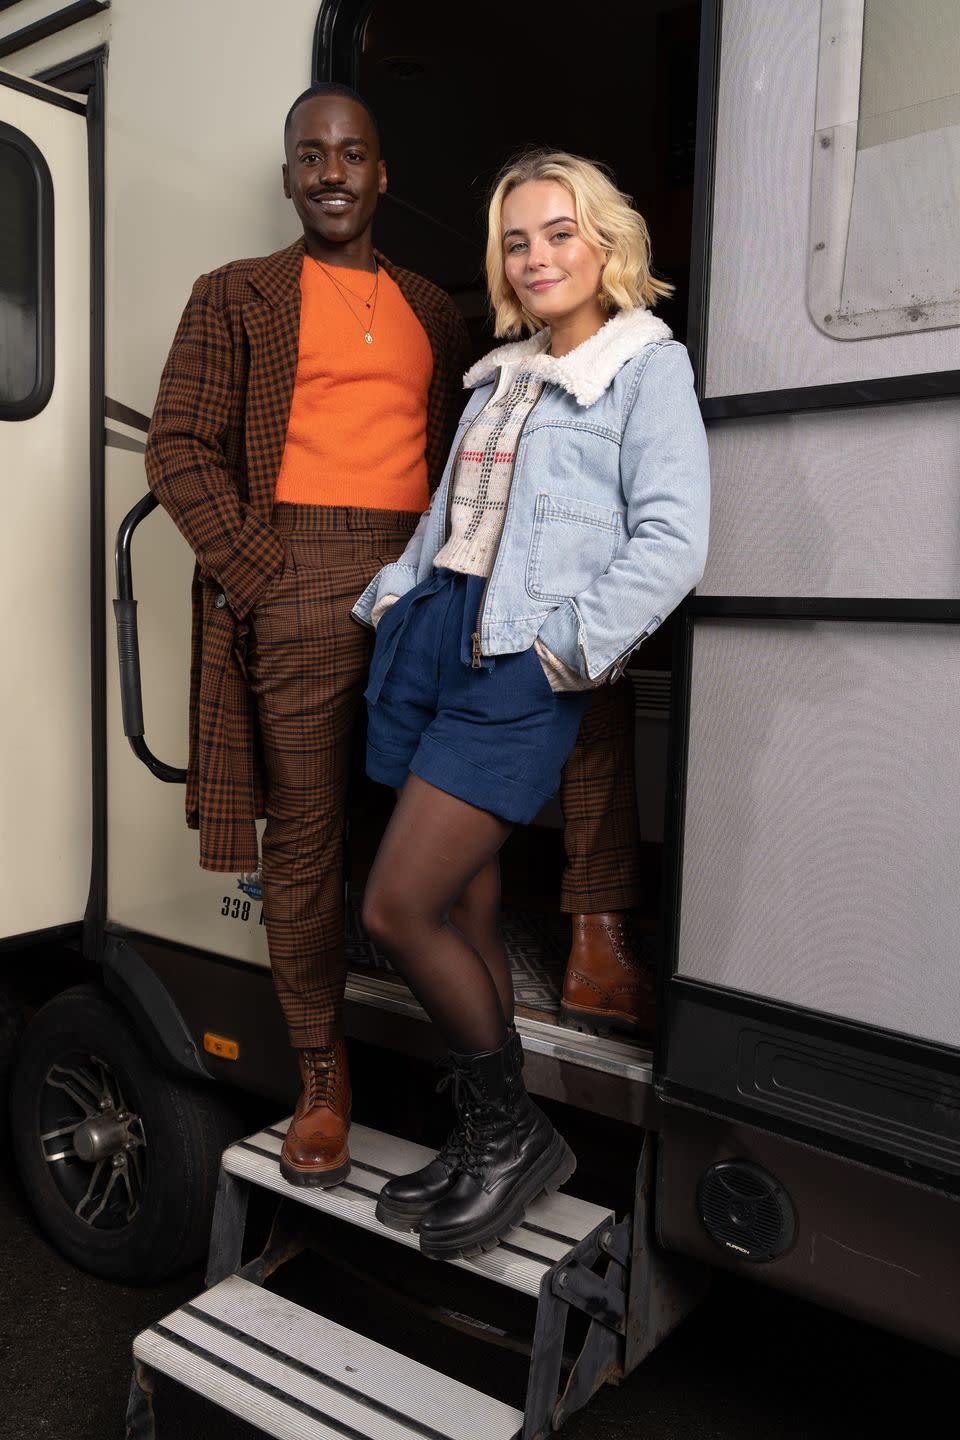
(483, 474)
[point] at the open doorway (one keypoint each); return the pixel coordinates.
(620, 89)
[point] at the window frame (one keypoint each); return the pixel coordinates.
(835, 154)
(39, 396)
(879, 390)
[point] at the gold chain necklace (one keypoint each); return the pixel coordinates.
(344, 290)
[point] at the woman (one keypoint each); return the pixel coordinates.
(571, 519)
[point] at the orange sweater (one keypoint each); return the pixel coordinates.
(358, 418)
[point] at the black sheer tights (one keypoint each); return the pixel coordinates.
(432, 904)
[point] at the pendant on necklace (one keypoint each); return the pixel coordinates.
(368, 337)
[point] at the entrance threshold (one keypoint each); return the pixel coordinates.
(607, 1077)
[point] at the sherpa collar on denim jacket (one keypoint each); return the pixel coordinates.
(584, 372)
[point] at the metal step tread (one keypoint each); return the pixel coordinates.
(298, 1376)
(629, 1060)
(553, 1225)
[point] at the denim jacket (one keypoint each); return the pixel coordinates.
(606, 524)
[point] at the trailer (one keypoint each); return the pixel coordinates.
(798, 1118)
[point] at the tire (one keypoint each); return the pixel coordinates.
(13, 1018)
(80, 1064)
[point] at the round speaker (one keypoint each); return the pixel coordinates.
(745, 1210)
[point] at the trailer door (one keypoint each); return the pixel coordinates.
(814, 987)
(45, 718)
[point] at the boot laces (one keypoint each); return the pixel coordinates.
(626, 947)
(480, 1118)
(622, 941)
(450, 1153)
(320, 1087)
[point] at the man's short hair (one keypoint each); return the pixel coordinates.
(330, 87)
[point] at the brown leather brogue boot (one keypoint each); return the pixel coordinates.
(315, 1148)
(607, 987)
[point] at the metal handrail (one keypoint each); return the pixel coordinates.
(128, 646)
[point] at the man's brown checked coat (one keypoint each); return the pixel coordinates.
(213, 455)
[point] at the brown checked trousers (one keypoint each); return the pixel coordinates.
(598, 796)
(307, 661)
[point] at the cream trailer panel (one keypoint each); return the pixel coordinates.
(45, 843)
(193, 181)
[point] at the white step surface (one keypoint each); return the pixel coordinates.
(298, 1376)
(553, 1224)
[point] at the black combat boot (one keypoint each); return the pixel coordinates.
(510, 1155)
(405, 1198)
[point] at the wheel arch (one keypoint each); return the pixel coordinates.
(150, 1008)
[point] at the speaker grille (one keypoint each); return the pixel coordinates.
(745, 1210)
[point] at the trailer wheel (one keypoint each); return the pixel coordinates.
(119, 1160)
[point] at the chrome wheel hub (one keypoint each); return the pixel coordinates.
(102, 1137)
(93, 1142)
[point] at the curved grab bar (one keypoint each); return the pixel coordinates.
(128, 646)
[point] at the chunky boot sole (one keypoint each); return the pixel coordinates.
(603, 1023)
(551, 1170)
(397, 1216)
(313, 1176)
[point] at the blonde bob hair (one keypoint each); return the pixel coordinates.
(605, 217)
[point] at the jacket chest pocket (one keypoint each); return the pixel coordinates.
(573, 542)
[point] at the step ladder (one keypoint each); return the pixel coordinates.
(298, 1376)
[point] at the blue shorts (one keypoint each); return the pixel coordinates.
(496, 736)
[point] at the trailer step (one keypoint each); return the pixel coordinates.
(552, 1227)
(298, 1376)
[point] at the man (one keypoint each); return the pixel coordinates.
(303, 419)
